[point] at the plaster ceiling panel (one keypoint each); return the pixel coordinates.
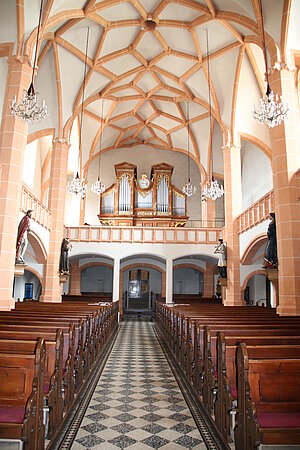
(45, 143)
(169, 93)
(173, 11)
(96, 107)
(236, 6)
(73, 150)
(128, 133)
(150, 5)
(168, 81)
(260, 60)
(218, 37)
(125, 93)
(122, 64)
(201, 134)
(167, 107)
(89, 130)
(144, 134)
(31, 15)
(147, 82)
(248, 96)
(123, 81)
(71, 75)
(294, 29)
(62, 5)
(109, 137)
(145, 110)
(165, 122)
(244, 31)
(8, 29)
(126, 122)
(192, 109)
(179, 39)
(123, 10)
(272, 14)
(96, 83)
(197, 83)
(160, 134)
(180, 139)
(149, 46)
(176, 66)
(217, 150)
(77, 36)
(223, 82)
(55, 27)
(45, 85)
(123, 107)
(118, 39)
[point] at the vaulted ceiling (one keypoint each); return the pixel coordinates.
(147, 78)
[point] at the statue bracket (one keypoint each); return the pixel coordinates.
(63, 277)
(19, 269)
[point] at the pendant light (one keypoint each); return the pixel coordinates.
(98, 187)
(78, 184)
(28, 109)
(211, 190)
(188, 189)
(271, 109)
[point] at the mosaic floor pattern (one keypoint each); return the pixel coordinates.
(137, 403)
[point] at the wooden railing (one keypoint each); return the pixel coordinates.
(144, 235)
(256, 213)
(41, 214)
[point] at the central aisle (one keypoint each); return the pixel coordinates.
(137, 403)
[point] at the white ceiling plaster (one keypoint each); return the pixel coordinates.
(180, 140)
(122, 11)
(127, 122)
(62, 5)
(96, 83)
(145, 110)
(168, 107)
(118, 39)
(175, 65)
(89, 130)
(218, 37)
(239, 7)
(179, 39)
(186, 14)
(149, 46)
(147, 82)
(31, 14)
(165, 122)
(217, 151)
(8, 29)
(244, 31)
(77, 35)
(198, 85)
(124, 107)
(168, 81)
(109, 137)
(201, 133)
(122, 64)
(223, 78)
(272, 12)
(150, 5)
(96, 107)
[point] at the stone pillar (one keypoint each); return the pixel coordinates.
(169, 281)
(163, 284)
(75, 279)
(208, 211)
(285, 163)
(57, 197)
(233, 208)
(208, 280)
(13, 139)
(116, 281)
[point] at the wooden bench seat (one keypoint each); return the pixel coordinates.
(21, 396)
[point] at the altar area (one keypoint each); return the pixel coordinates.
(145, 201)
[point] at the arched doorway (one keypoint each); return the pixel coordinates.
(28, 286)
(257, 290)
(187, 280)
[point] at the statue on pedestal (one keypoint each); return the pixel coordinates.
(22, 238)
(221, 251)
(270, 258)
(64, 268)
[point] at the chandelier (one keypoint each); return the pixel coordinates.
(271, 109)
(212, 189)
(188, 188)
(98, 187)
(78, 184)
(28, 109)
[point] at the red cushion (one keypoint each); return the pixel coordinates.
(12, 415)
(233, 392)
(279, 420)
(46, 387)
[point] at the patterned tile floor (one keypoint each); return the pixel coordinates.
(137, 403)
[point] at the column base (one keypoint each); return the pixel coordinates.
(7, 305)
(288, 310)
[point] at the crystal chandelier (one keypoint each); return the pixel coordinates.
(28, 109)
(271, 109)
(98, 187)
(78, 184)
(212, 189)
(188, 188)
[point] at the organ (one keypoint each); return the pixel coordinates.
(143, 201)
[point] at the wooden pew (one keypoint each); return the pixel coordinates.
(22, 395)
(268, 397)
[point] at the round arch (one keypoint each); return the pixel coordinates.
(252, 248)
(38, 247)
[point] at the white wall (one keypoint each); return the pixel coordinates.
(257, 177)
(96, 279)
(3, 78)
(154, 280)
(257, 288)
(187, 281)
(19, 286)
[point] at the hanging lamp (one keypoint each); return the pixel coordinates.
(271, 109)
(28, 109)
(78, 184)
(212, 189)
(188, 189)
(98, 187)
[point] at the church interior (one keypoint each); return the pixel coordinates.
(149, 224)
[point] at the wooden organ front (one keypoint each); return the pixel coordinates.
(152, 202)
